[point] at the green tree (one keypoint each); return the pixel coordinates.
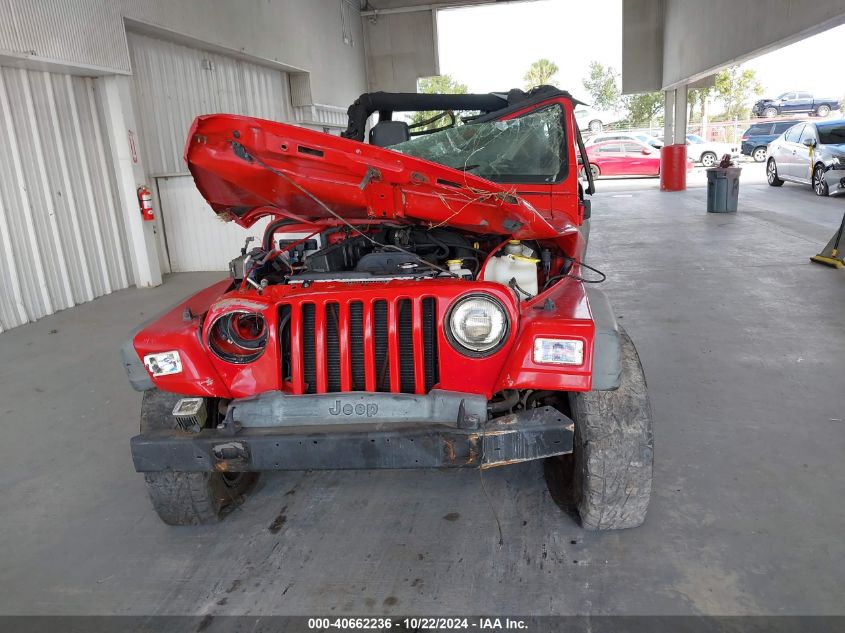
(439, 84)
(602, 84)
(735, 87)
(696, 98)
(541, 73)
(643, 108)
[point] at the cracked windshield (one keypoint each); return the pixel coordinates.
(526, 149)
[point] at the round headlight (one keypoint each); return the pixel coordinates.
(477, 324)
(238, 337)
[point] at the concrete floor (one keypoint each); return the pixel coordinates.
(743, 343)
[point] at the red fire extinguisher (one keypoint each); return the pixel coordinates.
(145, 199)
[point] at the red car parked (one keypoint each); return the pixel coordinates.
(625, 158)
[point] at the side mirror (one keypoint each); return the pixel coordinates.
(809, 142)
(646, 151)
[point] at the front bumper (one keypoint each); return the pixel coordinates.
(357, 430)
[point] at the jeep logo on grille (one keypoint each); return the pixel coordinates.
(368, 410)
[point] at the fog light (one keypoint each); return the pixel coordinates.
(558, 351)
(163, 363)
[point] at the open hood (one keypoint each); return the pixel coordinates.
(248, 168)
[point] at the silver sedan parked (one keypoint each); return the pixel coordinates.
(811, 154)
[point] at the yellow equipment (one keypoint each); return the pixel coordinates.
(832, 255)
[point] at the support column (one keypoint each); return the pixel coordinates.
(673, 156)
(680, 137)
(129, 174)
(668, 116)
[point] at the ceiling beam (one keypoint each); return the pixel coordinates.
(414, 8)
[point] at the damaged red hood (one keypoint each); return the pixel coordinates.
(248, 168)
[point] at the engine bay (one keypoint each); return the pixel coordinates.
(381, 253)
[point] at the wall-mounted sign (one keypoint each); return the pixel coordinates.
(133, 152)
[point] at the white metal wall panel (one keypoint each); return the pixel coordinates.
(89, 35)
(60, 233)
(198, 240)
(175, 83)
(51, 31)
(172, 85)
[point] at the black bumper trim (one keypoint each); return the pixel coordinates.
(536, 434)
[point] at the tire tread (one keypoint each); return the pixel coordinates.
(187, 498)
(183, 498)
(615, 449)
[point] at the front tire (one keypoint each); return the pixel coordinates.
(196, 498)
(759, 154)
(819, 184)
(182, 498)
(614, 449)
(708, 159)
(595, 171)
(770, 112)
(823, 110)
(772, 174)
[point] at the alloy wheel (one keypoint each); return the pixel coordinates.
(819, 184)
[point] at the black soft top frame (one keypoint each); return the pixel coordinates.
(491, 105)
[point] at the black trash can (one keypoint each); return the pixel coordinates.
(723, 189)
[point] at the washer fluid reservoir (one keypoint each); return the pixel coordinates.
(517, 263)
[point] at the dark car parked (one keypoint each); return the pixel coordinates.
(794, 103)
(756, 138)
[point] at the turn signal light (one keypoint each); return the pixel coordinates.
(163, 363)
(558, 351)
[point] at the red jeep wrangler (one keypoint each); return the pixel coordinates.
(418, 301)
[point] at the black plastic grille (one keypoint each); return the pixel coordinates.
(429, 329)
(309, 352)
(356, 345)
(333, 347)
(380, 337)
(406, 346)
(284, 342)
(331, 313)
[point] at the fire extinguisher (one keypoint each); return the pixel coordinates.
(145, 199)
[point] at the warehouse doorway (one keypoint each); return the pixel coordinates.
(173, 84)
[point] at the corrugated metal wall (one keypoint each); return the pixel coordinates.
(61, 236)
(175, 83)
(313, 36)
(196, 239)
(50, 31)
